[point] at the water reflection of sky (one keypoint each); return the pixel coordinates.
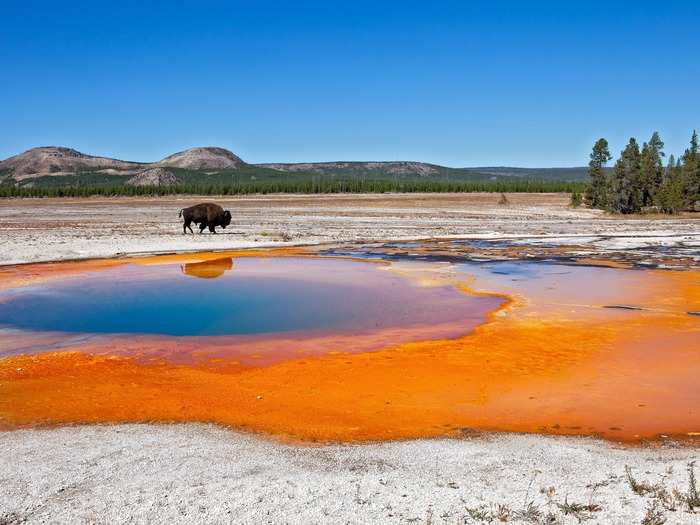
(569, 289)
(252, 296)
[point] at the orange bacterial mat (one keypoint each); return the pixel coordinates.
(321, 349)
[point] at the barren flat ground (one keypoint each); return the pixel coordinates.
(204, 474)
(58, 229)
(185, 473)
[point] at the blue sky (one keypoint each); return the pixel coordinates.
(452, 82)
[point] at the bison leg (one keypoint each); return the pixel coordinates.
(185, 226)
(211, 228)
(202, 226)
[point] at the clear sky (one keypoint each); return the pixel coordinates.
(457, 83)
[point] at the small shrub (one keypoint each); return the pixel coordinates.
(692, 497)
(531, 513)
(576, 199)
(484, 514)
(662, 499)
(479, 513)
(503, 512)
(666, 500)
(638, 487)
(578, 510)
(654, 515)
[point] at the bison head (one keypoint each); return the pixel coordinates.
(227, 219)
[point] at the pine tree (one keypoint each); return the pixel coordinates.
(669, 197)
(651, 169)
(596, 193)
(624, 195)
(691, 172)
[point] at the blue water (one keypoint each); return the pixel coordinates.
(255, 296)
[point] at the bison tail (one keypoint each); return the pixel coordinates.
(180, 214)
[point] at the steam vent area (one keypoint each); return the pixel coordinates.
(309, 346)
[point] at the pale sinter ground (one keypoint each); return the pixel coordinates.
(204, 474)
(56, 229)
(200, 473)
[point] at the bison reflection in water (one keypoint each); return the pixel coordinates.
(206, 215)
(208, 269)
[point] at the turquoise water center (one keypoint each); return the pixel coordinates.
(249, 295)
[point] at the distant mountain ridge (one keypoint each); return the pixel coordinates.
(423, 169)
(390, 167)
(54, 165)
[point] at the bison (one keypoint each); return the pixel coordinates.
(206, 214)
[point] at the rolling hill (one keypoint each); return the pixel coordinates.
(61, 167)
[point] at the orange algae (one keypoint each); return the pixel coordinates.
(545, 363)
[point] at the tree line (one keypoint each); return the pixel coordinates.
(313, 185)
(640, 181)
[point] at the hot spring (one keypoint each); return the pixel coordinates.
(332, 349)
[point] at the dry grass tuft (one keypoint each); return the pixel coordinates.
(580, 511)
(481, 513)
(664, 500)
(640, 488)
(692, 497)
(530, 514)
(660, 501)
(654, 514)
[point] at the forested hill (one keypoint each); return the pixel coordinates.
(58, 170)
(63, 163)
(393, 169)
(554, 174)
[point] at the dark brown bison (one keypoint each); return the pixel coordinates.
(206, 215)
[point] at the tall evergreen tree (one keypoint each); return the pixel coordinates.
(669, 198)
(624, 195)
(691, 172)
(596, 193)
(651, 169)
